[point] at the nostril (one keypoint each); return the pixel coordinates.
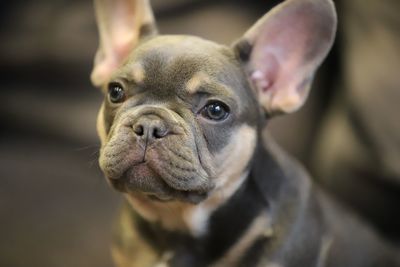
(138, 130)
(159, 133)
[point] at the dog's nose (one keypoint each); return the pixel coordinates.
(150, 127)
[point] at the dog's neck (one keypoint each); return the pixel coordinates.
(192, 219)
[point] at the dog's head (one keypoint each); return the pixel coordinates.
(181, 114)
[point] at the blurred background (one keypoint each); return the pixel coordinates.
(55, 207)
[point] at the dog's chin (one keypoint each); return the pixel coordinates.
(182, 196)
(141, 180)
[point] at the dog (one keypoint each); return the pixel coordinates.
(181, 130)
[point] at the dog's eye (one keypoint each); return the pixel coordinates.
(216, 111)
(116, 93)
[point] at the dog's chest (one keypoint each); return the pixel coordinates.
(235, 235)
(243, 248)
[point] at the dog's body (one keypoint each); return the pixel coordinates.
(181, 130)
(276, 219)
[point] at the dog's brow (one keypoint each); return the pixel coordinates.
(202, 83)
(196, 82)
(138, 73)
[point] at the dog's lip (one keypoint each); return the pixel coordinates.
(167, 194)
(185, 196)
(160, 198)
(121, 176)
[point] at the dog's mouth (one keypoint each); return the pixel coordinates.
(140, 178)
(184, 196)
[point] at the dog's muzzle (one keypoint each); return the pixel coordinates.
(153, 150)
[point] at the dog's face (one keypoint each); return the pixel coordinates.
(181, 114)
(168, 114)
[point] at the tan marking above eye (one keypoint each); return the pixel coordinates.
(198, 79)
(138, 73)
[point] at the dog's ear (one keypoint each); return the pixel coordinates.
(281, 52)
(121, 24)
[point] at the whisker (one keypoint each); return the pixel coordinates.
(97, 146)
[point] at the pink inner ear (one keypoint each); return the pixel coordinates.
(282, 49)
(264, 75)
(288, 45)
